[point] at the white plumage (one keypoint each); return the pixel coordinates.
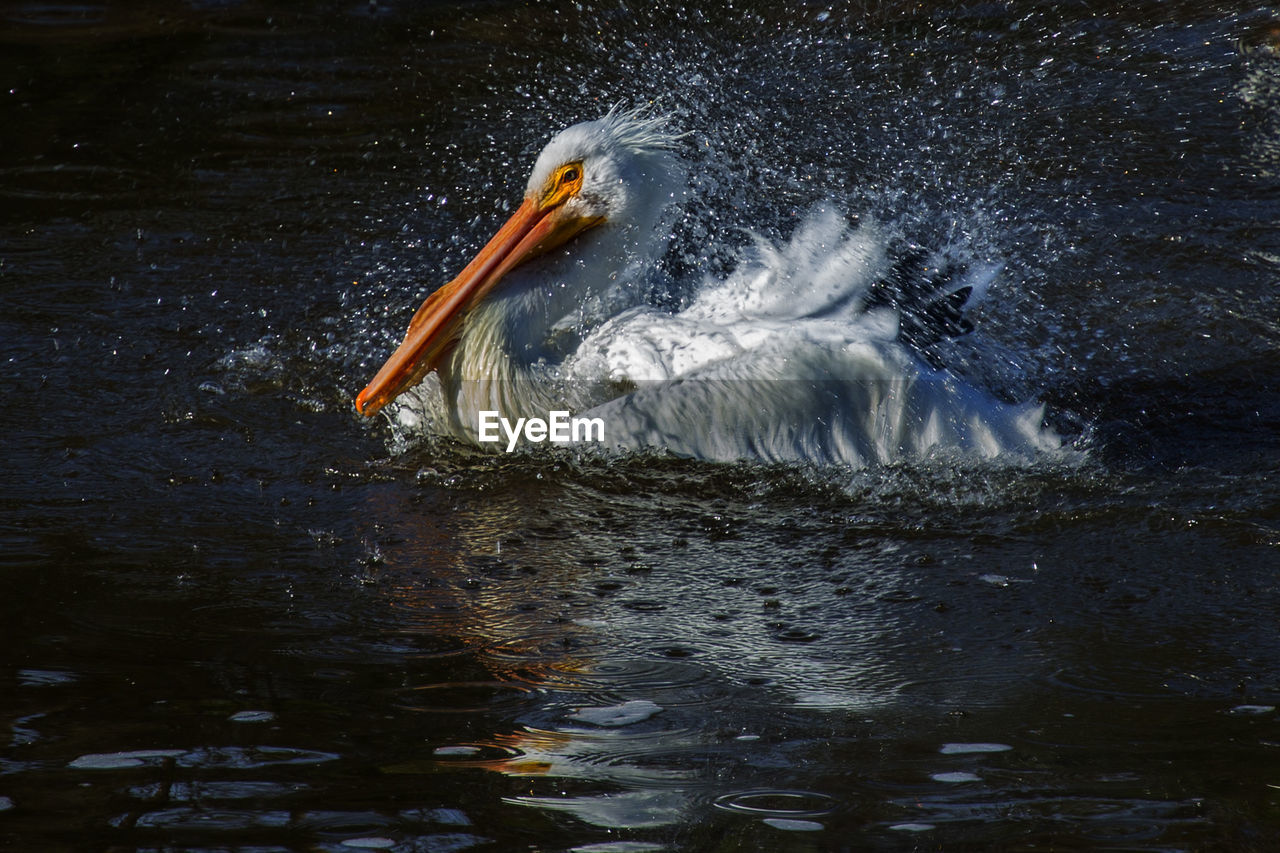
(794, 356)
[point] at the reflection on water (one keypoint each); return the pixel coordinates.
(230, 622)
(651, 683)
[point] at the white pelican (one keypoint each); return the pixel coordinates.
(808, 352)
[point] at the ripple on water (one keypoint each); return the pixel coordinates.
(251, 717)
(626, 810)
(213, 791)
(344, 822)
(60, 182)
(252, 757)
(783, 804)
(45, 677)
(973, 748)
(205, 624)
(1101, 820)
(466, 697)
(628, 713)
(381, 649)
(639, 675)
(1116, 677)
(444, 816)
(490, 756)
(122, 760)
(639, 760)
(474, 754)
(792, 825)
(56, 14)
(205, 819)
(519, 648)
(973, 691)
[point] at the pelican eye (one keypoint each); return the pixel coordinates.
(562, 184)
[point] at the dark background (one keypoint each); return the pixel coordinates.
(215, 218)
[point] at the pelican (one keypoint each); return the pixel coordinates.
(818, 350)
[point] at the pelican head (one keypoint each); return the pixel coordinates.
(608, 180)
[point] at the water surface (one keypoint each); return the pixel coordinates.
(236, 616)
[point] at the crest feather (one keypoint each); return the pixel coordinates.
(638, 129)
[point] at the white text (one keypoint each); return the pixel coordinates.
(558, 427)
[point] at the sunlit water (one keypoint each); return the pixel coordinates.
(238, 617)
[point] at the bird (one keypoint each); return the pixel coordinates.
(822, 350)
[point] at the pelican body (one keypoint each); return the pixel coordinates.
(803, 353)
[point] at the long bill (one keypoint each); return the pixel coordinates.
(530, 231)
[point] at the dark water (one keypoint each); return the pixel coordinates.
(237, 617)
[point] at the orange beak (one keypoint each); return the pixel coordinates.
(531, 230)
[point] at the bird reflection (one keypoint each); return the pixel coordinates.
(614, 682)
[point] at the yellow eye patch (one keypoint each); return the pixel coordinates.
(563, 184)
